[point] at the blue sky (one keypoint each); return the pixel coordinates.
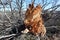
(39, 1)
(36, 2)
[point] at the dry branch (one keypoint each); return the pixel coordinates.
(7, 36)
(54, 7)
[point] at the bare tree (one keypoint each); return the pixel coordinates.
(46, 3)
(52, 2)
(5, 3)
(19, 4)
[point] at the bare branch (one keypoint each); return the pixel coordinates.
(54, 7)
(7, 36)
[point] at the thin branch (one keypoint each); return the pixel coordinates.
(53, 7)
(6, 14)
(7, 36)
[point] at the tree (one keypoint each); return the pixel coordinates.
(17, 6)
(53, 3)
(4, 3)
(47, 5)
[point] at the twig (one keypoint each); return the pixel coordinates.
(7, 36)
